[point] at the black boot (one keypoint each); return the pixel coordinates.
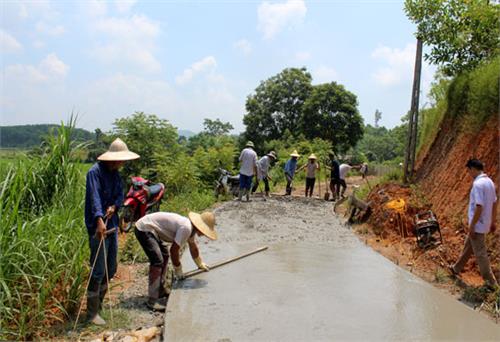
(103, 288)
(93, 302)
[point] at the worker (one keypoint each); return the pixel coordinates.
(263, 166)
(343, 171)
(290, 167)
(364, 170)
(103, 198)
(156, 229)
(248, 168)
(334, 175)
(311, 167)
(482, 215)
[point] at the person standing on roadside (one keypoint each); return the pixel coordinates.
(334, 175)
(153, 230)
(263, 166)
(248, 168)
(343, 171)
(482, 215)
(103, 198)
(290, 167)
(311, 167)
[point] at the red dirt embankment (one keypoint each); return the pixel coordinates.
(443, 185)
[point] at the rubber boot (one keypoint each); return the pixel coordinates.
(93, 302)
(154, 302)
(240, 195)
(163, 293)
(247, 195)
(103, 288)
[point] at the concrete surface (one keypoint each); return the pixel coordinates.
(304, 290)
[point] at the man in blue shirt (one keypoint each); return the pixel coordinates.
(290, 167)
(103, 198)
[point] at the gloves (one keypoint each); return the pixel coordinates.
(201, 265)
(179, 274)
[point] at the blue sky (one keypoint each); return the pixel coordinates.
(189, 60)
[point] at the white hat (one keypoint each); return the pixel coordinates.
(118, 151)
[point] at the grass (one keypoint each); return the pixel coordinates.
(441, 276)
(42, 264)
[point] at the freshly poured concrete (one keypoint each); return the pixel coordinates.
(314, 291)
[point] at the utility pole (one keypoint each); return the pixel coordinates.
(411, 145)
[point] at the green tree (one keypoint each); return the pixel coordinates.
(461, 33)
(378, 117)
(148, 136)
(330, 113)
(276, 105)
(216, 127)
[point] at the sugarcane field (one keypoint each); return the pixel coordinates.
(268, 170)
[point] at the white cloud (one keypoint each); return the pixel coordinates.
(57, 30)
(123, 6)
(324, 74)
(275, 17)
(8, 43)
(51, 68)
(130, 40)
(244, 46)
(399, 64)
(96, 8)
(206, 64)
(302, 56)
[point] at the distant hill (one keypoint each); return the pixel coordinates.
(28, 136)
(185, 133)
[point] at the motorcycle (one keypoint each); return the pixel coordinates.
(226, 183)
(142, 198)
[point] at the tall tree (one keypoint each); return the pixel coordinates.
(461, 33)
(276, 105)
(331, 113)
(216, 127)
(378, 116)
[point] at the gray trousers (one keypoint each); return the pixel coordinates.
(477, 247)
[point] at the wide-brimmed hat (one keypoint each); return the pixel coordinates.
(118, 151)
(295, 154)
(249, 144)
(272, 154)
(205, 223)
(312, 156)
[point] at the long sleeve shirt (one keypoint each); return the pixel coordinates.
(103, 189)
(290, 167)
(263, 167)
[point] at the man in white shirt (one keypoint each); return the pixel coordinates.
(343, 171)
(153, 230)
(482, 217)
(263, 166)
(248, 168)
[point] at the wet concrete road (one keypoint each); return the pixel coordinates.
(304, 291)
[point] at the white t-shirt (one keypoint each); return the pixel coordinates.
(344, 170)
(483, 194)
(168, 227)
(263, 167)
(311, 170)
(248, 159)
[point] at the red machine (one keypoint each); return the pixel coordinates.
(142, 198)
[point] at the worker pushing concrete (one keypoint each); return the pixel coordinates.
(156, 229)
(311, 168)
(248, 168)
(263, 166)
(290, 168)
(482, 214)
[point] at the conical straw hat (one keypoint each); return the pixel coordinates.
(312, 156)
(118, 151)
(295, 154)
(205, 223)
